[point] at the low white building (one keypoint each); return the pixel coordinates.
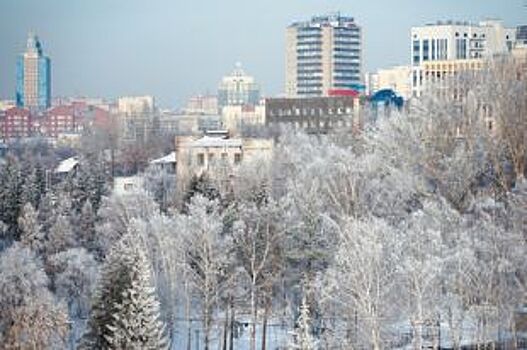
(216, 152)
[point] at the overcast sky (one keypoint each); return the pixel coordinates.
(173, 49)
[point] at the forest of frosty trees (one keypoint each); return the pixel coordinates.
(410, 234)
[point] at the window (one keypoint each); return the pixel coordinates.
(201, 159)
(224, 156)
(426, 49)
(416, 52)
(237, 158)
(211, 157)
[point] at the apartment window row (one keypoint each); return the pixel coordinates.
(308, 29)
(345, 49)
(345, 30)
(309, 70)
(346, 42)
(345, 65)
(311, 41)
(309, 64)
(309, 57)
(347, 57)
(309, 77)
(313, 112)
(308, 36)
(346, 77)
(343, 35)
(308, 85)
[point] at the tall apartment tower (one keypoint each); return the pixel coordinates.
(238, 89)
(323, 54)
(456, 42)
(33, 76)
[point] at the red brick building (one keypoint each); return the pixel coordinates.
(17, 123)
(60, 120)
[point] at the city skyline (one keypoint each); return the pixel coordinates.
(174, 51)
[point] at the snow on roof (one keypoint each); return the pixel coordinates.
(169, 158)
(67, 165)
(207, 141)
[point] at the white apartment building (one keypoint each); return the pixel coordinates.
(133, 105)
(238, 89)
(447, 41)
(323, 54)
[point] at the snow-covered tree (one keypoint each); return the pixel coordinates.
(29, 316)
(361, 281)
(85, 226)
(113, 281)
(302, 336)
(61, 236)
(10, 190)
(31, 234)
(74, 278)
(136, 323)
(117, 212)
(258, 237)
(208, 254)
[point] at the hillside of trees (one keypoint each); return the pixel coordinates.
(410, 234)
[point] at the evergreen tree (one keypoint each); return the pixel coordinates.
(31, 189)
(86, 232)
(30, 231)
(114, 280)
(10, 189)
(60, 236)
(201, 185)
(136, 323)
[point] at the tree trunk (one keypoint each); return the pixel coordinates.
(253, 315)
(231, 336)
(225, 329)
(264, 327)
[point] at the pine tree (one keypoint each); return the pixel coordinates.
(86, 227)
(30, 191)
(136, 323)
(60, 236)
(10, 188)
(30, 231)
(114, 280)
(302, 337)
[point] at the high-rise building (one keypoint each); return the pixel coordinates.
(33, 76)
(521, 35)
(238, 89)
(323, 54)
(447, 41)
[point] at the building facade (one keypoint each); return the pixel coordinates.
(17, 123)
(137, 118)
(396, 78)
(202, 104)
(33, 76)
(322, 54)
(215, 154)
(521, 35)
(448, 41)
(313, 114)
(238, 89)
(61, 120)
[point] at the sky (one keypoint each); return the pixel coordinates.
(173, 49)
